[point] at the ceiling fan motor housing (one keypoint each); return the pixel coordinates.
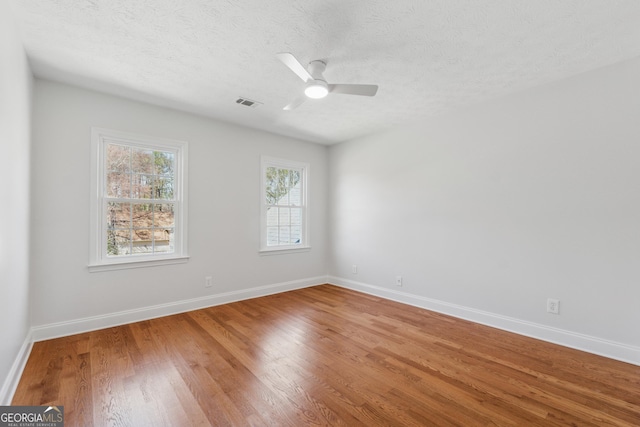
(316, 68)
(317, 87)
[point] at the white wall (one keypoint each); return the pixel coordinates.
(224, 206)
(15, 106)
(489, 211)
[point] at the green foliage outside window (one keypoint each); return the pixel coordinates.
(279, 183)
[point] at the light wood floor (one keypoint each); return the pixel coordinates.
(324, 356)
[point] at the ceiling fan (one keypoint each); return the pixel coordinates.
(317, 87)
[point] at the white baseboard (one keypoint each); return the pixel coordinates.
(11, 382)
(590, 344)
(71, 327)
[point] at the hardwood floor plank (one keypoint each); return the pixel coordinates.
(324, 356)
(237, 368)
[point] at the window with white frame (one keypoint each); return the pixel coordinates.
(138, 200)
(284, 205)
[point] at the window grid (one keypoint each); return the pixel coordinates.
(129, 237)
(284, 205)
(139, 201)
(134, 195)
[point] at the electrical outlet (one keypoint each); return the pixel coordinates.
(398, 280)
(553, 306)
(354, 269)
(208, 282)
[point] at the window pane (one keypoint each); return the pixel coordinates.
(118, 157)
(284, 236)
(272, 236)
(118, 242)
(142, 187)
(118, 185)
(142, 161)
(295, 178)
(296, 216)
(163, 163)
(163, 240)
(142, 215)
(271, 186)
(142, 241)
(283, 186)
(118, 215)
(284, 179)
(296, 235)
(164, 216)
(272, 217)
(284, 216)
(163, 188)
(278, 186)
(295, 195)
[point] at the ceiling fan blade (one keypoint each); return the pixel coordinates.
(294, 65)
(348, 89)
(295, 104)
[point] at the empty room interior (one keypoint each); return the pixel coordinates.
(321, 212)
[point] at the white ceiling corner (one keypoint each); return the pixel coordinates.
(427, 56)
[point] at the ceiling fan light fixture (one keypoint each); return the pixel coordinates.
(316, 86)
(316, 89)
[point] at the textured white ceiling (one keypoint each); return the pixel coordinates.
(427, 56)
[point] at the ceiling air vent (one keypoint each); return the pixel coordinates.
(248, 102)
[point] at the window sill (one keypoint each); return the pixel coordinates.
(283, 251)
(136, 263)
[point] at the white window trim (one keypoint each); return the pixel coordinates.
(98, 261)
(266, 162)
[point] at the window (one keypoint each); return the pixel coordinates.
(138, 201)
(284, 205)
